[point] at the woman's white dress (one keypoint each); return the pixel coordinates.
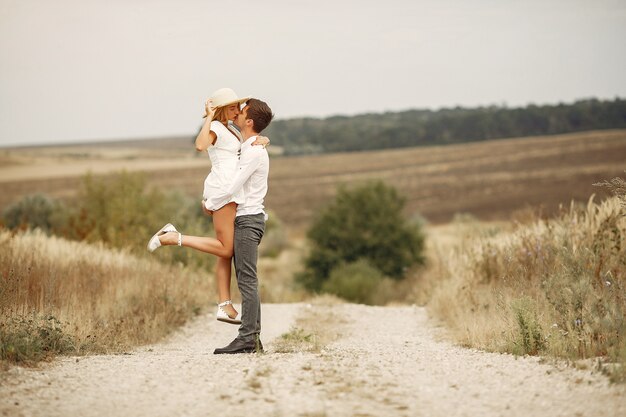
(224, 154)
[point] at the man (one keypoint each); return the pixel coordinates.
(249, 223)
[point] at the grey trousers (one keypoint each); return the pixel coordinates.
(248, 233)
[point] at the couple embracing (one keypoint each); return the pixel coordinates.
(234, 192)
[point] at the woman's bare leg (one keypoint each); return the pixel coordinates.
(221, 246)
(204, 244)
(224, 224)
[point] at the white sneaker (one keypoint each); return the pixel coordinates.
(222, 316)
(154, 242)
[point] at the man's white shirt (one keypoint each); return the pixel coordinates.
(254, 168)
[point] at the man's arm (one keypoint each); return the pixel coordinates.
(248, 163)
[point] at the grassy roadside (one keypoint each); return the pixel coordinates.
(60, 296)
(553, 287)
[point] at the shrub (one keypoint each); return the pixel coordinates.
(36, 211)
(363, 223)
(119, 211)
(357, 282)
(122, 212)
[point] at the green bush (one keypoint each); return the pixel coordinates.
(363, 223)
(120, 211)
(36, 211)
(123, 213)
(358, 282)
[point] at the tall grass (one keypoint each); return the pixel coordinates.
(552, 287)
(65, 296)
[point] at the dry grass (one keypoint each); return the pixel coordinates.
(101, 299)
(554, 287)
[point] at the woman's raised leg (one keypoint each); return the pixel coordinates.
(221, 246)
(224, 224)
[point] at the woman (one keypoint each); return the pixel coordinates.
(222, 145)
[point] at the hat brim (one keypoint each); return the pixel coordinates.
(238, 101)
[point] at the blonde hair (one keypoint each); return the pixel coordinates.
(220, 115)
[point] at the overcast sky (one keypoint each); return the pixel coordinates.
(77, 70)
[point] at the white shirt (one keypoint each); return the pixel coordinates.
(254, 168)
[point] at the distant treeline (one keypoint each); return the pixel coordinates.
(444, 126)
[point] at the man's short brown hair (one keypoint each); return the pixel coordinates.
(260, 113)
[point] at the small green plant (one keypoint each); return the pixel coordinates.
(30, 339)
(529, 339)
(297, 340)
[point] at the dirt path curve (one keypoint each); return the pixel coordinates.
(388, 361)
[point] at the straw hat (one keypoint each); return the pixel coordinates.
(226, 96)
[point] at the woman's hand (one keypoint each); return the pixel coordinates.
(209, 109)
(261, 140)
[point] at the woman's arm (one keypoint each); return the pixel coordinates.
(206, 137)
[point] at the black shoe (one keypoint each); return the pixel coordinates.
(237, 346)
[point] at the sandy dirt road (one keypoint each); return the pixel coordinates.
(386, 361)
